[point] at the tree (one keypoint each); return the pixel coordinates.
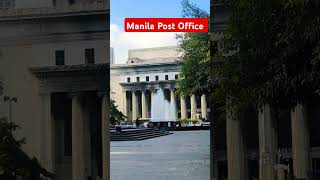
(116, 115)
(194, 74)
(270, 54)
(15, 164)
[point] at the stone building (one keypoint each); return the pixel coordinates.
(146, 71)
(263, 144)
(54, 58)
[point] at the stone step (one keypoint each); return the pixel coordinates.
(137, 134)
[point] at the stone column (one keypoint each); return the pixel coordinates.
(183, 105)
(125, 106)
(300, 142)
(193, 109)
(204, 112)
(47, 158)
(105, 125)
(143, 104)
(134, 106)
(267, 144)
(173, 100)
(78, 155)
(235, 147)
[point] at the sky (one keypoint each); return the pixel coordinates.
(122, 41)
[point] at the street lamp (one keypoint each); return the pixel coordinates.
(10, 99)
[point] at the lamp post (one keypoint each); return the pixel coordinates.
(10, 99)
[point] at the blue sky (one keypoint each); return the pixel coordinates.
(120, 9)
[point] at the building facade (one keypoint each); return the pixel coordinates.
(54, 59)
(147, 71)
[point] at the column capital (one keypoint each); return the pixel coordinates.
(75, 94)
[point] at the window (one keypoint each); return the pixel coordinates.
(157, 78)
(147, 78)
(71, 2)
(176, 76)
(54, 3)
(128, 79)
(138, 79)
(89, 54)
(59, 57)
(166, 77)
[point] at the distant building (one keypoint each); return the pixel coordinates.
(146, 71)
(112, 58)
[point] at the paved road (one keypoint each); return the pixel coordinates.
(180, 156)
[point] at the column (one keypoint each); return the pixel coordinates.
(47, 158)
(105, 125)
(300, 142)
(267, 144)
(134, 106)
(235, 147)
(78, 155)
(173, 101)
(143, 104)
(183, 108)
(193, 109)
(125, 101)
(204, 113)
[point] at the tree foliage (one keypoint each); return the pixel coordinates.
(194, 74)
(116, 115)
(15, 164)
(270, 54)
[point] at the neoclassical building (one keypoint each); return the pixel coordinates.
(147, 71)
(54, 59)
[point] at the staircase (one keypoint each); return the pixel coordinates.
(137, 134)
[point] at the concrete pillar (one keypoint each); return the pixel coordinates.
(47, 158)
(78, 155)
(235, 147)
(173, 100)
(267, 144)
(143, 104)
(300, 142)
(105, 125)
(204, 113)
(125, 105)
(193, 109)
(183, 105)
(134, 106)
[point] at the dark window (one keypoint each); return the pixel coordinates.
(89, 54)
(54, 3)
(128, 79)
(71, 2)
(138, 79)
(176, 76)
(147, 78)
(60, 57)
(157, 78)
(166, 77)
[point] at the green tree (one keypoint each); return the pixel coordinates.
(116, 115)
(270, 54)
(194, 74)
(15, 164)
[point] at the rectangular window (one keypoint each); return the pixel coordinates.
(71, 2)
(60, 57)
(89, 55)
(128, 79)
(138, 79)
(176, 76)
(157, 78)
(147, 78)
(166, 77)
